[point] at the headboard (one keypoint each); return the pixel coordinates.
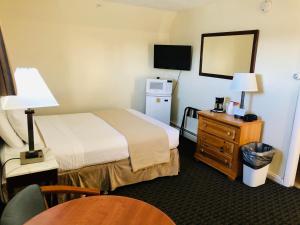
(6, 80)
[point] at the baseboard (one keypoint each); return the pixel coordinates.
(274, 177)
(187, 133)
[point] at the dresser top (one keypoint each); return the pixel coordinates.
(225, 118)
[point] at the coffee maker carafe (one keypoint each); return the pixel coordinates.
(219, 105)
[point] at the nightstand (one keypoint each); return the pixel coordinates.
(220, 137)
(18, 176)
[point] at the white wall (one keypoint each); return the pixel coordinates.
(278, 57)
(90, 57)
(99, 57)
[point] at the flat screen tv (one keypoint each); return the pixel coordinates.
(176, 57)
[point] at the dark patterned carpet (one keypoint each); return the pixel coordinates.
(202, 195)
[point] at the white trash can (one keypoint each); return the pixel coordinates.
(256, 159)
(255, 177)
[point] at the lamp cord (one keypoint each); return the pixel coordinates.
(176, 82)
(1, 177)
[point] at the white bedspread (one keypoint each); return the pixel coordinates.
(81, 139)
(84, 139)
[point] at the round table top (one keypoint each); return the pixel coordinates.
(108, 210)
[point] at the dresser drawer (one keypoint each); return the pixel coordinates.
(219, 129)
(218, 144)
(216, 155)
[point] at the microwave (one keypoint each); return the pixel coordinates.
(159, 87)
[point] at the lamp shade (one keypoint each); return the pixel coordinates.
(32, 91)
(244, 82)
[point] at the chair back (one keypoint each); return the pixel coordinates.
(23, 206)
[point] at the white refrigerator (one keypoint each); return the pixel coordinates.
(158, 99)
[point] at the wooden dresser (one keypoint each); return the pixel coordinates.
(220, 137)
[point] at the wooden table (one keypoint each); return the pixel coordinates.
(108, 210)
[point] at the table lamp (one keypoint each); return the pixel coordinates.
(244, 82)
(32, 92)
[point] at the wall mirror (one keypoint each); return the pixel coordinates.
(223, 54)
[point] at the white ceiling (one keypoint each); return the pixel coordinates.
(164, 4)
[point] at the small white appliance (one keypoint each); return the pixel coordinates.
(158, 99)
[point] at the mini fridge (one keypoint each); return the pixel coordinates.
(158, 99)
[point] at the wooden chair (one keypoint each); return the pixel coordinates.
(30, 201)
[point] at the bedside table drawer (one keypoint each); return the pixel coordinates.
(215, 154)
(48, 177)
(219, 129)
(216, 143)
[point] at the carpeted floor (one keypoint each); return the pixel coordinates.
(202, 195)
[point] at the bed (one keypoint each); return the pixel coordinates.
(92, 151)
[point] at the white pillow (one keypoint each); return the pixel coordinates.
(8, 134)
(18, 120)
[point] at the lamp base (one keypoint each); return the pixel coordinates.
(239, 113)
(29, 157)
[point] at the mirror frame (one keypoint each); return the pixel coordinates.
(233, 33)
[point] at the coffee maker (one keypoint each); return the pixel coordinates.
(219, 105)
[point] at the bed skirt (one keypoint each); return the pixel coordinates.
(109, 176)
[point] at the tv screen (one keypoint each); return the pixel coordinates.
(176, 57)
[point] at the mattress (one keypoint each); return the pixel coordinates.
(83, 139)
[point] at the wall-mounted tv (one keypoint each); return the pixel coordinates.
(175, 57)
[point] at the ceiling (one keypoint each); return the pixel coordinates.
(163, 4)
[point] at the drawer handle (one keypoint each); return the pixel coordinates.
(221, 149)
(228, 148)
(202, 149)
(228, 133)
